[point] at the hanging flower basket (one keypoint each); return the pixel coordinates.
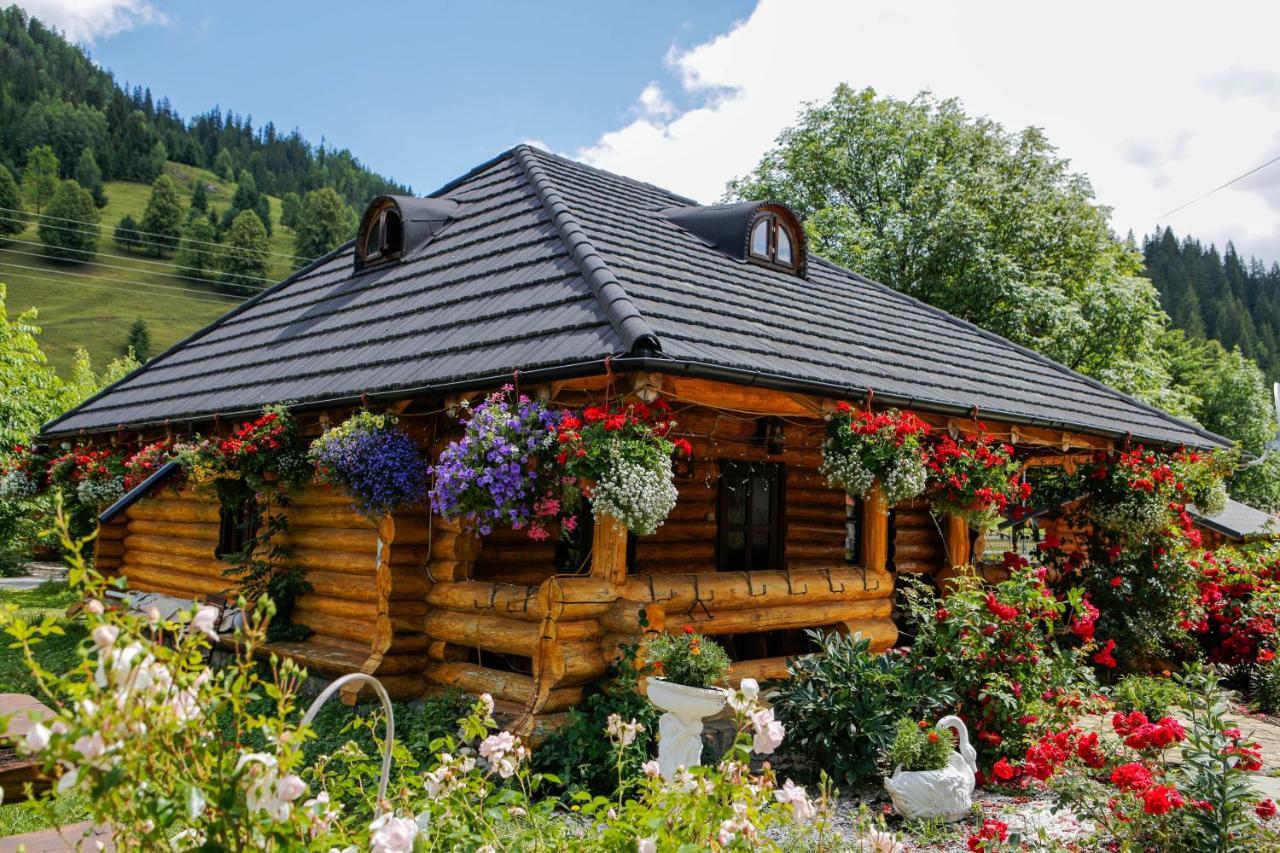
(864, 448)
(244, 461)
(975, 478)
(1139, 492)
(374, 460)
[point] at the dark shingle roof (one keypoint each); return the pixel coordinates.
(1237, 521)
(552, 266)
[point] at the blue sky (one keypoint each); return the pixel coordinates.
(419, 91)
(689, 95)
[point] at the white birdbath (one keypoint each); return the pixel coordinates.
(680, 728)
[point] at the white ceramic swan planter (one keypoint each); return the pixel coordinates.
(945, 793)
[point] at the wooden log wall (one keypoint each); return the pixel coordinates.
(918, 546)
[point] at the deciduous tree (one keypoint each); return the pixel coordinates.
(40, 177)
(70, 232)
(162, 219)
(322, 225)
(244, 257)
(90, 177)
(12, 219)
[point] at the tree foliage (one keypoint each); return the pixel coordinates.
(138, 341)
(40, 177)
(290, 210)
(198, 257)
(162, 219)
(324, 224)
(12, 220)
(69, 233)
(244, 257)
(126, 234)
(89, 176)
(247, 197)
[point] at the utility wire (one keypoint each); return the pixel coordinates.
(140, 242)
(168, 264)
(1221, 187)
(99, 225)
(210, 297)
(196, 279)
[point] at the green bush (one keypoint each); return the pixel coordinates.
(841, 706)
(687, 658)
(1264, 686)
(918, 746)
(1151, 695)
(579, 754)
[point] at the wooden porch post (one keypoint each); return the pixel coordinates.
(874, 543)
(609, 551)
(957, 540)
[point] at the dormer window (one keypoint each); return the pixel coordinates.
(384, 235)
(771, 241)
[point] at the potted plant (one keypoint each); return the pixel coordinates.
(864, 448)
(975, 478)
(686, 668)
(930, 779)
(374, 460)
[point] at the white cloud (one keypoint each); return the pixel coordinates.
(1134, 94)
(83, 21)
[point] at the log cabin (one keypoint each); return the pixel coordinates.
(575, 284)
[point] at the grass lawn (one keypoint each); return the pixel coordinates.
(94, 313)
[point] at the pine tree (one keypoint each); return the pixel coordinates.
(40, 177)
(199, 196)
(162, 220)
(223, 166)
(244, 258)
(89, 176)
(322, 225)
(198, 256)
(139, 341)
(71, 203)
(247, 197)
(126, 234)
(12, 219)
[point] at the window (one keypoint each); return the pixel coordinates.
(237, 526)
(750, 531)
(384, 237)
(772, 242)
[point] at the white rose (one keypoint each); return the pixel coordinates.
(104, 636)
(206, 620)
(392, 834)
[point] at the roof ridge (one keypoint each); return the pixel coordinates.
(627, 321)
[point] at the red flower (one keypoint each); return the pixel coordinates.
(992, 830)
(683, 446)
(1116, 581)
(1161, 799)
(1265, 655)
(1104, 657)
(1132, 777)
(688, 629)
(941, 614)
(1003, 770)
(593, 413)
(1266, 809)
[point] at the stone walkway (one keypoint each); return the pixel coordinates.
(38, 573)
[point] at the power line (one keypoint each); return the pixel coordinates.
(1221, 187)
(100, 253)
(217, 247)
(211, 297)
(196, 279)
(147, 233)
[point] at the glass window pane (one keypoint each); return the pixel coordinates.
(760, 542)
(760, 514)
(735, 547)
(373, 243)
(784, 246)
(739, 492)
(760, 239)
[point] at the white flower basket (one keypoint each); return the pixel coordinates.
(932, 794)
(680, 728)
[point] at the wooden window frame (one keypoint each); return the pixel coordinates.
(771, 259)
(384, 253)
(778, 531)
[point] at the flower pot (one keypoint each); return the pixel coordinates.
(932, 794)
(680, 728)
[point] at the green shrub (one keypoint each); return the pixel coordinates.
(578, 754)
(1151, 695)
(919, 746)
(1264, 686)
(687, 658)
(840, 706)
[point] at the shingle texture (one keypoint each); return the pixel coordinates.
(549, 262)
(1238, 521)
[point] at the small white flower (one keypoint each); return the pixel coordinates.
(69, 780)
(90, 746)
(392, 834)
(487, 701)
(651, 769)
(153, 616)
(104, 636)
(37, 738)
(290, 787)
(794, 795)
(94, 606)
(206, 620)
(769, 732)
(647, 845)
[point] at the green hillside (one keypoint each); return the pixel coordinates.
(92, 305)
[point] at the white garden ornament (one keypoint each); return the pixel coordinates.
(680, 728)
(945, 793)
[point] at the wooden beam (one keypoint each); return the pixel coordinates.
(609, 551)
(956, 539)
(874, 542)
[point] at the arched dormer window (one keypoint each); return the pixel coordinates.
(772, 243)
(382, 238)
(395, 227)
